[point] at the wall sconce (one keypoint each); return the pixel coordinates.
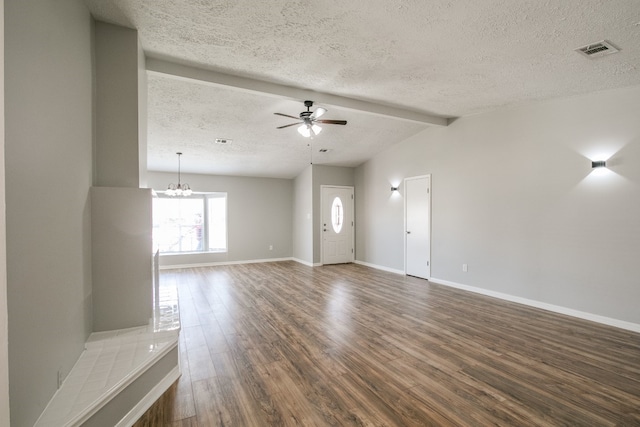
(598, 164)
(394, 189)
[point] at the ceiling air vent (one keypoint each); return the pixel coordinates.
(596, 50)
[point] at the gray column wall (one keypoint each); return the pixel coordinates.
(4, 327)
(117, 62)
(303, 217)
(122, 261)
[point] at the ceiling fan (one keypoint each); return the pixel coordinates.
(309, 124)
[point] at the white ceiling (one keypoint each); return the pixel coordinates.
(433, 57)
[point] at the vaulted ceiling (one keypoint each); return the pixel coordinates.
(391, 68)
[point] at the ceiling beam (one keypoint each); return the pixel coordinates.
(161, 66)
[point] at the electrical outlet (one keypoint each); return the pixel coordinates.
(270, 247)
(464, 268)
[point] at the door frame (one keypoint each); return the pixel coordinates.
(353, 220)
(405, 219)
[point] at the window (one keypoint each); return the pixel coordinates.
(197, 223)
(336, 215)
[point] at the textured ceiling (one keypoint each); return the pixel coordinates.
(199, 113)
(444, 58)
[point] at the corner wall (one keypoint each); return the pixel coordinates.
(48, 166)
(303, 217)
(142, 116)
(515, 198)
(4, 331)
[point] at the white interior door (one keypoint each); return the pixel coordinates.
(418, 226)
(337, 224)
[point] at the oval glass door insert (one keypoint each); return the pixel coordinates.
(337, 215)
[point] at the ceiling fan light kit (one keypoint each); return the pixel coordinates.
(308, 130)
(309, 120)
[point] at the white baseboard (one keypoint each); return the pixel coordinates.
(543, 305)
(380, 267)
(307, 263)
(213, 264)
(154, 394)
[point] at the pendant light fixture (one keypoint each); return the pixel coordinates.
(180, 189)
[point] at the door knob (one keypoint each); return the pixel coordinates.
(408, 232)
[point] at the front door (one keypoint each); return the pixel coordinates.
(337, 224)
(418, 226)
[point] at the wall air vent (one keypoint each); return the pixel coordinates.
(596, 50)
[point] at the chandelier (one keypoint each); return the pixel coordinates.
(180, 189)
(309, 129)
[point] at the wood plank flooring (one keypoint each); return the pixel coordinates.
(283, 344)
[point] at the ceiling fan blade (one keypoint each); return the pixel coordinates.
(332, 122)
(286, 126)
(319, 112)
(286, 115)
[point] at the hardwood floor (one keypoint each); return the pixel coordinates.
(282, 344)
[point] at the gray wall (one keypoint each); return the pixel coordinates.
(514, 197)
(326, 175)
(262, 212)
(121, 219)
(117, 62)
(121, 254)
(48, 95)
(142, 116)
(259, 214)
(4, 331)
(303, 217)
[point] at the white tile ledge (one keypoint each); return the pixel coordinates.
(111, 361)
